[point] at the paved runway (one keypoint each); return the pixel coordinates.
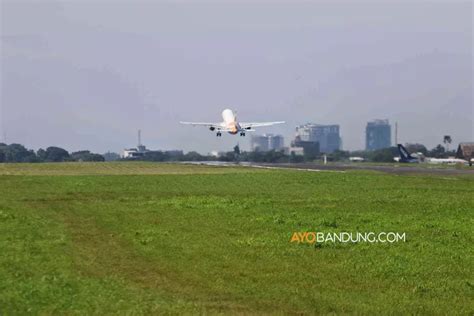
(395, 169)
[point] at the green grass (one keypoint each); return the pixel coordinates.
(111, 168)
(145, 238)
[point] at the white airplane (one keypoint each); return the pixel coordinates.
(450, 161)
(405, 156)
(231, 125)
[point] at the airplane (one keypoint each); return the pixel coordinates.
(231, 125)
(446, 160)
(406, 157)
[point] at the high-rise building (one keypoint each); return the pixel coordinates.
(326, 135)
(377, 135)
(267, 142)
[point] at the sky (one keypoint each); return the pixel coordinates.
(89, 74)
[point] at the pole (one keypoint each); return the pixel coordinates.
(396, 133)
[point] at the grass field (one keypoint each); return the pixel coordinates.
(143, 238)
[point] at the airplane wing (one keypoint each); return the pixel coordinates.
(212, 126)
(202, 124)
(258, 124)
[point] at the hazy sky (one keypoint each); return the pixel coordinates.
(88, 74)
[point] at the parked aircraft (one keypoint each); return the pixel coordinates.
(406, 157)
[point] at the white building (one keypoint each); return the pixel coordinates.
(138, 152)
(132, 153)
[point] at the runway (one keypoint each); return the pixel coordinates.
(393, 169)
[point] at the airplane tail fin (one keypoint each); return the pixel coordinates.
(404, 154)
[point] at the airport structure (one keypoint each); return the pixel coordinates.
(377, 135)
(266, 142)
(141, 150)
(466, 151)
(133, 153)
(326, 135)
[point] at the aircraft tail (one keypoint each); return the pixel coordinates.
(404, 154)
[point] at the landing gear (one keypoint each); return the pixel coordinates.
(219, 134)
(242, 133)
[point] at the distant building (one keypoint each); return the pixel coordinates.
(466, 151)
(326, 135)
(133, 153)
(110, 156)
(377, 135)
(276, 142)
(266, 142)
(310, 148)
(214, 153)
(259, 143)
(297, 151)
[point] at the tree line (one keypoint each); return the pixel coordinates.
(382, 155)
(19, 153)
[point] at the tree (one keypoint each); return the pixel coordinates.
(276, 156)
(447, 140)
(193, 156)
(237, 149)
(85, 155)
(155, 156)
(56, 154)
(229, 156)
(30, 157)
(3, 148)
(339, 155)
(385, 154)
(42, 155)
(437, 152)
(416, 148)
(295, 158)
(96, 157)
(18, 153)
(259, 156)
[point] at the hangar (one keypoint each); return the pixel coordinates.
(466, 151)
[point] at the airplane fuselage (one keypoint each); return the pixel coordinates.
(230, 122)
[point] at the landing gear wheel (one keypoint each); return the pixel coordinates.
(218, 134)
(242, 134)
